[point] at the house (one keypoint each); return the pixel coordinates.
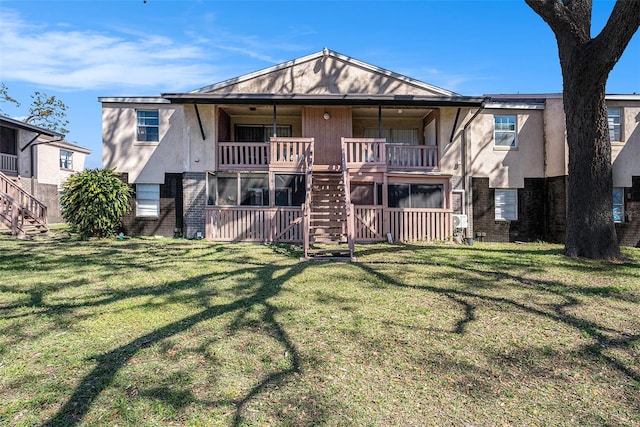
(34, 163)
(329, 150)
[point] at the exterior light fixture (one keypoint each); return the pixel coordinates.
(326, 116)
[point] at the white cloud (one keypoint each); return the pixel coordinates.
(70, 59)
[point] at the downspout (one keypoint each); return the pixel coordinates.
(466, 184)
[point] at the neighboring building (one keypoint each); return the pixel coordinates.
(36, 161)
(282, 153)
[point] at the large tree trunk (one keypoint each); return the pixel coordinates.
(590, 227)
(586, 63)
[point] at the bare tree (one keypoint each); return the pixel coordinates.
(586, 63)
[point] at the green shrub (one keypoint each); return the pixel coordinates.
(93, 202)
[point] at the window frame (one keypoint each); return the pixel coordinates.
(613, 126)
(513, 194)
(145, 211)
(266, 130)
(143, 123)
(410, 194)
(496, 131)
(66, 159)
(618, 202)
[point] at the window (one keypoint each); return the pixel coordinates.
(147, 199)
(259, 133)
(66, 159)
(407, 136)
(254, 189)
(148, 130)
(239, 189)
(505, 131)
(506, 205)
(416, 196)
(618, 204)
(289, 189)
(614, 120)
(362, 194)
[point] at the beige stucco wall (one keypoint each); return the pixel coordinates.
(555, 138)
(625, 154)
(507, 168)
(48, 164)
(199, 155)
(326, 75)
(145, 162)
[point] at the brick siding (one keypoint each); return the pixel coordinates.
(169, 222)
(195, 201)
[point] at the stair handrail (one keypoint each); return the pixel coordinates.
(347, 199)
(33, 207)
(306, 208)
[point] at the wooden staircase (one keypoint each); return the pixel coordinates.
(329, 215)
(20, 211)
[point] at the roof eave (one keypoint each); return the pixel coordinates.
(305, 99)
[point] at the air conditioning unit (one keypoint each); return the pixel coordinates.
(460, 221)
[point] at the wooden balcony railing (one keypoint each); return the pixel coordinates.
(364, 152)
(294, 152)
(287, 153)
(403, 157)
(8, 163)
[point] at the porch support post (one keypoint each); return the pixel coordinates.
(275, 122)
(380, 121)
(195, 106)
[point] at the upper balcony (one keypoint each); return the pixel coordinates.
(292, 154)
(8, 164)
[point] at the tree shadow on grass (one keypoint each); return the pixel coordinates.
(602, 337)
(108, 364)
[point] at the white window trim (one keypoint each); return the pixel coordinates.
(142, 142)
(69, 158)
(515, 133)
(620, 125)
(151, 207)
(499, 202)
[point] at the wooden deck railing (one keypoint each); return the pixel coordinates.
(287, 153)
(254, 224)
(8, 163)
(285, 224)
(411, 157)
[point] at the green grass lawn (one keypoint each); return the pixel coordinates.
(155, 332)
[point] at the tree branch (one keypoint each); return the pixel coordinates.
(623, 23)
(569, 18)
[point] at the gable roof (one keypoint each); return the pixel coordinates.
(327, 72)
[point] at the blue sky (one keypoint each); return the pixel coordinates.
(80, 50)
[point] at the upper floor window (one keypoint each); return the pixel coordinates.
(614, 116)
(408, 136)
(66, 159)
(504, 131)
(618, 204)
(506, 205)
(148, 125)
(259, 133)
